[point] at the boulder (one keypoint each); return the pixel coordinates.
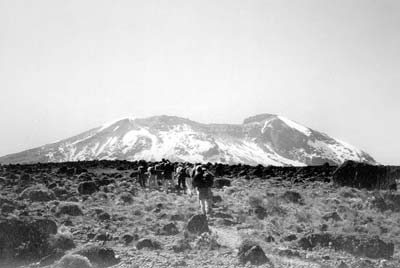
(260, 212)
(74, 261)
(168, 229)
(61, 192)
(362, 175)
(197, 224)
(7, 208)
(361, 245)
(38, 194)
(126, 197)
(216, 199)
(69, 208)
(149, 243)
(103, 216)
(334, 216)
(26, 238)
(288, 238)
(45, 225)
(98, 255)
(87, 187)
(128, 238)
(250, 251)
(62, 241)
(293, 197)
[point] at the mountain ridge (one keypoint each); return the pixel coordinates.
(266, 139)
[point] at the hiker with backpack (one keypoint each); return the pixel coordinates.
(181, 176)
(202, 182)
(151, 172)
(142, 176)
(158, 169)
(168, 172)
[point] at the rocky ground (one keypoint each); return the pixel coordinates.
(79, 215)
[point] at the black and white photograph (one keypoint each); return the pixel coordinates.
(199, 133)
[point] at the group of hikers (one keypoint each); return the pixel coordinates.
(186, 177)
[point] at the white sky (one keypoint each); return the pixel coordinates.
(68, 66)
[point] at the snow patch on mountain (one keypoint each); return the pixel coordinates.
(306, 131)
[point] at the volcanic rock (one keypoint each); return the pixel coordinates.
(356, 244)
(362, 175)
(198, 224)
(250, 251)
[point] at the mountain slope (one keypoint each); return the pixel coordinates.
(263, 139)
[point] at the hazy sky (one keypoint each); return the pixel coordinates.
(68, 66)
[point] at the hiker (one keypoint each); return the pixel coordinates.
(203, 181)
(189, 178)
(181, 176)
(142, 176)
(168, 172)
(158, 169)
(151, 173)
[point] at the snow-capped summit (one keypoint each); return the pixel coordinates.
(265, 139)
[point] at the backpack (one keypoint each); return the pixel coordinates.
(208, 179)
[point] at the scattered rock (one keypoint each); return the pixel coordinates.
(289, 253)
(181, 246)
(61, 192)
(7, 208)
(103, 237)
(177, 217)
(289, 238)
(69, 208)
(74, 261)
(260, 212)
(197, 224)
(25, 238)
(103, 216)
(343, 265)
(128, 238)
(149, 243)
(168, 229)
(179, 263)
(332, 216)
(126, 198)
(87, 187)
(222, 215)
(100, 256)
(62, 241)
(225, 222)
(217, 199)
(250, 251)
(363, 264)
(293, 197)
(269, 239)
(207, 241)
(45, 225)
(358, 244)
(38, 194)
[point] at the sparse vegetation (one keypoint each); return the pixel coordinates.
(147, 228)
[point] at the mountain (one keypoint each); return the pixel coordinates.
(265, 139)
